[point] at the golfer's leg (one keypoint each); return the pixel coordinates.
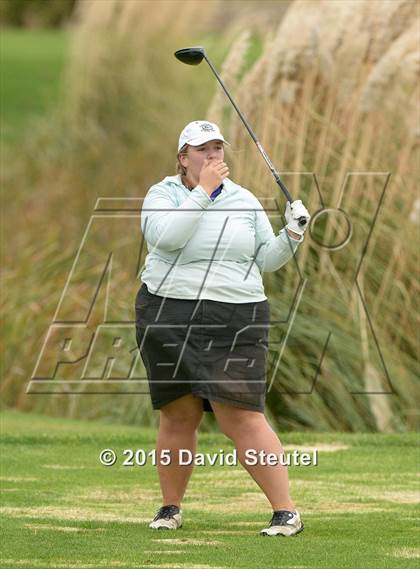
(250, 430)
(178, 425)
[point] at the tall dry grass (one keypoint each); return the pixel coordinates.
(124, 101)
(324, 96)
(335, 93)
(230, 71)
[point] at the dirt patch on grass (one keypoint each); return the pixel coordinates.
(336, 507)
(183, 566)
(399, 496)
(320, 447)
(228, 532)
(134, 495)
(61, 467)
(18, 479)
(379, 477)
(68, 529)
(65, 563)
(187, 541)
(344, 496)
(407, 553)
(244, 524)
(165, 551)
(74, 514)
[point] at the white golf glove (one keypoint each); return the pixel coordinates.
(294, 211)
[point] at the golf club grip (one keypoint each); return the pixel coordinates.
(302, 220)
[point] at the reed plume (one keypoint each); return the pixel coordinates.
(335, 95)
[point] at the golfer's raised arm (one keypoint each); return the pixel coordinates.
(167, 226)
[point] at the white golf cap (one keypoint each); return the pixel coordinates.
(199, 132)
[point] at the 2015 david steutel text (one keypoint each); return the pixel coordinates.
(184, 457)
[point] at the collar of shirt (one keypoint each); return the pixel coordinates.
(216, 192)
(213, 195)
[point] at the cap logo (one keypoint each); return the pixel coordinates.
(207, 127)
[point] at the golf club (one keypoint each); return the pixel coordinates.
(194, 56)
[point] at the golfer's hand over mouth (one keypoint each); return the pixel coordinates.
(212, 174)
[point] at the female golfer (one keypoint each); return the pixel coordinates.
(202, 319)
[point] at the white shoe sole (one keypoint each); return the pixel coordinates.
(174, 523)
(164, 527)
(281, 530)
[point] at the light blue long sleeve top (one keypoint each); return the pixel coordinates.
(204, 249)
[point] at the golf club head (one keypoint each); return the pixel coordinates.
(190, 55)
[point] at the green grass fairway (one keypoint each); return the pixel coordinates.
(31, 67)
(62, 508)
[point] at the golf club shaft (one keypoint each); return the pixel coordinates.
(251, 132)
